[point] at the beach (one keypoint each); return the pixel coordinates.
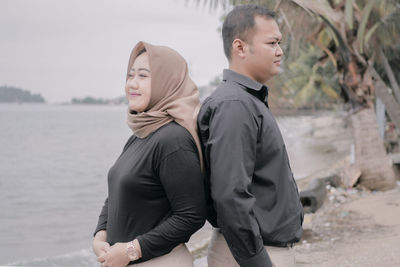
(354, 226)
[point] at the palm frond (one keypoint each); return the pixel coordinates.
(363, 23)
(349, 13)
(388, 29)
(343, 47)
(318, 7)
(328, 90)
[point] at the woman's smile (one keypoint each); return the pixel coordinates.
(133, 94)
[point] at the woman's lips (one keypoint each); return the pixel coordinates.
(278, 62)
(134, 94)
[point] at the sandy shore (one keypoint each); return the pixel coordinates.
(354, 227)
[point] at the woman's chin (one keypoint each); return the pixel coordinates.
(132, 106)
(135, 109)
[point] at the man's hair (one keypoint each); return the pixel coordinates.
(240, 22)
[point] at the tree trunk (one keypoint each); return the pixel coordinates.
(392, 107)
(389, 72)
(371, 157)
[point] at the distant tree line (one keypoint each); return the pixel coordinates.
(99, 101)
(17, 95)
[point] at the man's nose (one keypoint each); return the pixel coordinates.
(279, 51)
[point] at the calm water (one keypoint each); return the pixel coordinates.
(53, 166)
(54, 161)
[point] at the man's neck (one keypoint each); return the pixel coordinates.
(242, 71)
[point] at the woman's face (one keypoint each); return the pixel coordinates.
(138, 85)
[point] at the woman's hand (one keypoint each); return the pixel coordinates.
(115, 257)
(100, 246)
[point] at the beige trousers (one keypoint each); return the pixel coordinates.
(178, 257)
(219, 254)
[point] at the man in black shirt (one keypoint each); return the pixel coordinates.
(254, 201)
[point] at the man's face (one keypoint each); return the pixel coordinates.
(263, 53)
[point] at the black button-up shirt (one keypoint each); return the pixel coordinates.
(253, 197)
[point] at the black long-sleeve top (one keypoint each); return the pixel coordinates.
(155, 192)
(254, 199)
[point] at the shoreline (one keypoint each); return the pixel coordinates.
(353, 227)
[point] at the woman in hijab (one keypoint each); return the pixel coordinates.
(155, 188)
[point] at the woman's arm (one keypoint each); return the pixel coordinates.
(102, 222)
(100, 246)
(182, 181)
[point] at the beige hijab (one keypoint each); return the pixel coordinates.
(174, 96)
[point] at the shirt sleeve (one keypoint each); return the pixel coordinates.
(231, 152)
(102, 222)
(182, 181)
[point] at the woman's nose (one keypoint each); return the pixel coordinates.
(132, 83)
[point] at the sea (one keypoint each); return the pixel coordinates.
(54, 161)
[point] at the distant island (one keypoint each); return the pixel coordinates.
(9, 94)
(17, 95)
(99, 101)
(122, 100)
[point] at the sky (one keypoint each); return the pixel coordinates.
(76, 48)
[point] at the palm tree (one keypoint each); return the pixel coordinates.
(360, 38)
(310, 80)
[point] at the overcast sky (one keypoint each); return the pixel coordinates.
(76, 48)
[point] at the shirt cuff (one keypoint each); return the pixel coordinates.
(98, 229)
(259, 260)
(143, 248)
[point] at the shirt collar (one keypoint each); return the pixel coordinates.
(261, 89)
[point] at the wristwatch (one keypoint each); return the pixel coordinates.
(131, 251)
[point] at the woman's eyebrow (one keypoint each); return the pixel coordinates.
(139, 69)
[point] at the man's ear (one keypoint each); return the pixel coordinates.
(238, 48)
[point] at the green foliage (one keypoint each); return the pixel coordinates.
(17, 95)
(88, 100)
(99, 101)
(308, 80)
(384, 27)
(363, 23)
(349, 13)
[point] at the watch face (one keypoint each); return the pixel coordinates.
(131, 251)
(133, 255)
